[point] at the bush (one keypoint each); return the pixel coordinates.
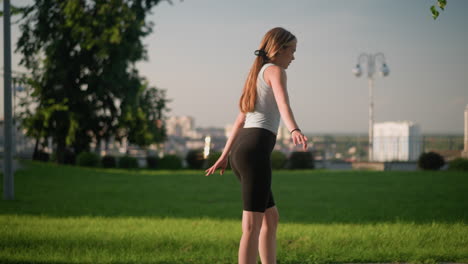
(41, 156)
(278, 160)
(430, 161)
(108, 162)
(301, 160)
(458, 164)
(212, 158)
(87, 159)
(152, 162)
(127, 162)
(53, 157)
(69, 157)
(195, 159)
(170, 162)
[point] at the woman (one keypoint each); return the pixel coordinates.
(253, 137)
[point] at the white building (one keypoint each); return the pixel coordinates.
(397, 141)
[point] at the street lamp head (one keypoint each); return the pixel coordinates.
(20, 88)
(384, 71)
(357, 70)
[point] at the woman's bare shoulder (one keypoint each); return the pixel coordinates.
(274, 69)
(274, 72)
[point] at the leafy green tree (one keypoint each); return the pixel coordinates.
(435, 11)
(141, 119)
(82, 55)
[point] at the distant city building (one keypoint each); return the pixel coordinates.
(397, 141)
(465, 149)
(283, 133)
(181, 126)
(23, 146)
(211, 131)
(182, 136)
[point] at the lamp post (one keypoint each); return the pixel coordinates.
(371, 60)
(465, 149)
(8, 180)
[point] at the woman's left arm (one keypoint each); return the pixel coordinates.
(276, 77)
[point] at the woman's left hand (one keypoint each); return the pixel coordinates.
(299, 139)
(220, 163)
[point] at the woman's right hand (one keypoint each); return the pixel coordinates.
(220, 163)
(299, 138)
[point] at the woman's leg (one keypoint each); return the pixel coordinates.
(267, 245)
(248, 248)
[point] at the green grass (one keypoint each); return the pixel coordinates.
(65, 214)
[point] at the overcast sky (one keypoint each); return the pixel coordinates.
(201, 51)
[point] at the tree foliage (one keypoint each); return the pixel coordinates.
(84, 82)
(434, 10)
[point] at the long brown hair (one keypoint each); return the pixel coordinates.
(274, 40)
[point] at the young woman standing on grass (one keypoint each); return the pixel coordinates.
(253, 137)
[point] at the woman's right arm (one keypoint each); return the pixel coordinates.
(223, 159)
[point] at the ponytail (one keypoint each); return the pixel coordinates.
(249, 94)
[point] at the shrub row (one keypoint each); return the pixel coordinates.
(458, 164)
(196, 160)
(434, 161)
(89, 159)
(297, 160)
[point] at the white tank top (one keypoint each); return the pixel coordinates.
(266, 114)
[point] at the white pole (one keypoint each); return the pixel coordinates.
(8, 184)
(371, 119)
(371, 59)
(465, 149)
(13, 131)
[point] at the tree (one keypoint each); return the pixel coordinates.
(142, 118)
(434, 11)
(82, 55)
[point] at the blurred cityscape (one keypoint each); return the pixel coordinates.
(393, 141)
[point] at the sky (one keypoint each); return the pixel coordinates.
(201, 51)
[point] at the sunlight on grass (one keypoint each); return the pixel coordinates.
(66, 214)
(173, 240)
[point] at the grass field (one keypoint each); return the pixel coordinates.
(65, 214)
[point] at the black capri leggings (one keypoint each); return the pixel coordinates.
(250, 161)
